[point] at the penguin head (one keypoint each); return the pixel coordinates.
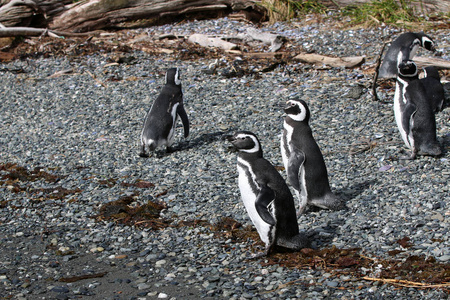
(297, 110)
(407, 68)
(173, 76)
(427, 42)
(404, 54)
(431, 72)
(245, 141)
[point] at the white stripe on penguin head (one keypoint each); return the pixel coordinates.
(255, 141)
(300, 116)
(177, 77)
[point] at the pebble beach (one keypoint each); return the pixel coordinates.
(82, 131)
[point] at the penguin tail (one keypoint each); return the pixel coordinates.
(297, 242)
(433, 149)
(329, 201)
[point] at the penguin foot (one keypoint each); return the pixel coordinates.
(169, 149)
(412, 156)
(143, 154)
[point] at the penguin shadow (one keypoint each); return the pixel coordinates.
(353, 191)
(345, 195)
(204, 139)
(324, 235)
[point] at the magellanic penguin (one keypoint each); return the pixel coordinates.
(412, 40)
(413, 113)
(160, 122)
(266, 197)
(303, 160)
(434, 88)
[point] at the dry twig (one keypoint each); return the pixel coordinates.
(377, 69)
(407, 283)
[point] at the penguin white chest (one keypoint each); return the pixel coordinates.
(286, 145)
(399, 103)
(249, 189)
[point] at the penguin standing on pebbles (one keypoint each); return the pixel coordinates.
(434, 88)
(303, 160)
(412, 40)
(413, 112)
(266, 196)
(160, 122)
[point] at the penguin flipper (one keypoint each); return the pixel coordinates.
(265, 197)
(184, 119)
(408, 113)
(296, 160)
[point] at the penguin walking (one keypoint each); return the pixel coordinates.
(413, 113)
(434, 88)
(412, 40)
(303, 160)
(266, 197)
(160, 121)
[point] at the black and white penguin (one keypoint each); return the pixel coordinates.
(412, 40)
(413, 113)
(303, 160)
(160, 122)
(266, 196)
(434, 88)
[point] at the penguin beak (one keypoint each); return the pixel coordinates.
(231, 139)
(228, 137)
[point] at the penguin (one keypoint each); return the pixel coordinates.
(413, 113)
(412, 40)
(434, 88)
(160, 121)
(266, 196)
(303, 160)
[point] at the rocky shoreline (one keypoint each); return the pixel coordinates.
(70, 145)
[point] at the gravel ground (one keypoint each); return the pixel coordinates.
(85, 132)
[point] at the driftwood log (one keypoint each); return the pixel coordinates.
(317, 59)
(87, 15)
(206, 41)
(423, 62)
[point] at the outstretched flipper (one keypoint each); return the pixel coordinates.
(184, 119)
(296, 160)
(265, 197)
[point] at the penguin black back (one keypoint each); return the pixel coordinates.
(434, 88)
(413, 112)
(160, 121)
(303, 160)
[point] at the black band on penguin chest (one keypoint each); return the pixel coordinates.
(251, 181)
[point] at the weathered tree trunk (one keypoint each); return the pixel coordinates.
(88, 15)
(97, 14)
(25, 12)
